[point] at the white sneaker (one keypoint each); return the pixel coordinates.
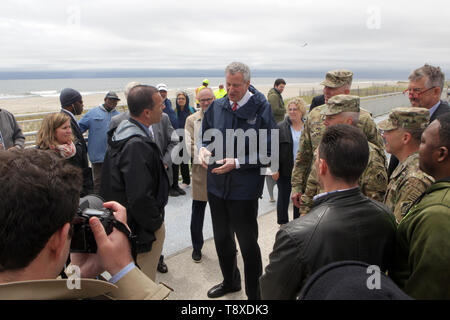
(184, 186)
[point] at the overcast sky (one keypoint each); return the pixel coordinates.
(276, 34)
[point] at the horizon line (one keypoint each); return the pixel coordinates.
(185, 73)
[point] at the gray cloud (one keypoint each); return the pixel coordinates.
(100, 34)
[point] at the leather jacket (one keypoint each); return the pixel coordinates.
(344, 225)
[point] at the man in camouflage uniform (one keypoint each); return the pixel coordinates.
(338, 82)
(344, 109)
(402, 133)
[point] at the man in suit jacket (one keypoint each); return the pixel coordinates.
(72, 104)
(317, 101)
(34, 252)
(424, 91)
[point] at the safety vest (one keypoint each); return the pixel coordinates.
(220, 93)
(197, 90)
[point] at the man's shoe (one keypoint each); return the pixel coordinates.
(197, 256)
(184, 185)
(220, 290)
(180, 191)
(173, 192)
(162, 267)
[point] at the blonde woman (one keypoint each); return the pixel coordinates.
(289, 138)
(56, 134)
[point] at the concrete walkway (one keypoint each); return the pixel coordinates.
(191, 280)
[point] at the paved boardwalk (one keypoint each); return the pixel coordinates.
(191, 280)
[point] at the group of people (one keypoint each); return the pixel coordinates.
(355, 207)
(331, 163)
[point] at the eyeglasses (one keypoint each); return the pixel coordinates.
(206, 100)
(416, 91)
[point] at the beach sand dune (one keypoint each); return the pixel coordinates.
(48, 104)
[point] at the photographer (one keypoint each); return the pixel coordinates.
(40, 197)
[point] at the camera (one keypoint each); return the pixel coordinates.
(83, 240)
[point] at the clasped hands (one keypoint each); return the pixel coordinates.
(228, 164)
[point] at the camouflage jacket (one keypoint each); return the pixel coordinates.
(310, 139)
(406, 185)
(373, 181)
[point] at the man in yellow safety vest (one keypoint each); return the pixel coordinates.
(197, 90)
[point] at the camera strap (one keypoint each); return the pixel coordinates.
(131, 237)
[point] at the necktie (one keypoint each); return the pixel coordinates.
(234, 106)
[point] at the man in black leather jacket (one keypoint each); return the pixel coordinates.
(343, 224)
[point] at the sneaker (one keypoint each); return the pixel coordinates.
(181, 192)
(184, 185)
(173, 192)
(197, 256)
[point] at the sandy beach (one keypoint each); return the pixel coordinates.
(20, 106)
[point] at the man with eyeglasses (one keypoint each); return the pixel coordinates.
(424, 91)
(199, 193)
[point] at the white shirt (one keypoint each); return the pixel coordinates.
(243, 101)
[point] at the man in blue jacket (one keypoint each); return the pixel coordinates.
(234, 182)
(97, 121)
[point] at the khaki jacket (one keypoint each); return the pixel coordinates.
(192, 131)
(135, 285)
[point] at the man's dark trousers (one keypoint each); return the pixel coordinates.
(230, 217)
(283, 200)
(197, 218)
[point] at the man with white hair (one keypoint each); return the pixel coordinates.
(424, 91)
(234, 182)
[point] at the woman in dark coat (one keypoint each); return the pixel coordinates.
(290, 132)
(183, 110)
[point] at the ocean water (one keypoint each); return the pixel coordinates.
(24, 88)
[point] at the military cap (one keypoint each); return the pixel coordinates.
(337, 78)
(341, 103)
(407, 118)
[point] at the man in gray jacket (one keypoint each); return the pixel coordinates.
(10, 133)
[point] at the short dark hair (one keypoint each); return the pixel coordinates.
(416, 134)
(39, 193)
(139, 98)
(346, 151)
(444, 129)
(278, 82)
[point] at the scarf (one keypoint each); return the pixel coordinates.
(65, 150)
